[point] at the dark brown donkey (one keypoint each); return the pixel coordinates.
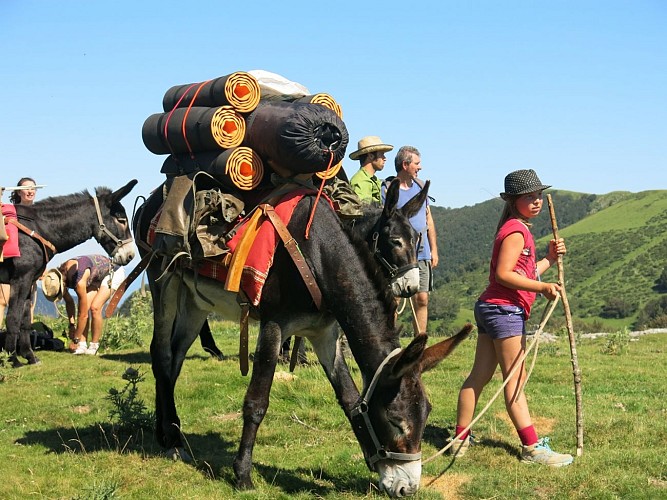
(388, 416)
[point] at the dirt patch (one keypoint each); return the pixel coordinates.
(285, 376)
(226, 417)
(446, 484)
(81, 410)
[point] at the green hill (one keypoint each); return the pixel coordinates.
(616, 263)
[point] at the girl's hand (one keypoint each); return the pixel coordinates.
(550, 290)
(556, 248)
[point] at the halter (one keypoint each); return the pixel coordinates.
(393, 270)
(361, 409)
(103, 228)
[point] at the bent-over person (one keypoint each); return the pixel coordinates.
(93, 278)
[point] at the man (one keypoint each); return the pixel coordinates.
(408, 165)
(370, 153)
(94, 279)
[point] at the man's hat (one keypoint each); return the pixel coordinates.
(370, 144)
(522, 182)
(53, 285)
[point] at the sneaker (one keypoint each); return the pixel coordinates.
(81, 348)
(92, 348)
(459, 447)
(541, 453)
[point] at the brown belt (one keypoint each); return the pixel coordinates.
(122, 288)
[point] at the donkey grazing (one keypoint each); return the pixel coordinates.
(388, 417)
(54, 225)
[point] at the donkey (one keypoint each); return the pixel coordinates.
(388, 417)
(54, 225)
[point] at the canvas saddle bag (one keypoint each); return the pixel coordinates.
(196, 217)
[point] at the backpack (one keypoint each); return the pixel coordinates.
(41, 337)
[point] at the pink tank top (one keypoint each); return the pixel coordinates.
(496, 293)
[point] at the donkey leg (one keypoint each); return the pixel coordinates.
(327, 345)
(207, 341)
(25, 347)
(257, 399)
(164, 315)
(17, 342)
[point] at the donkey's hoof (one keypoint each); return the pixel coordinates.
(215, 352)
(244, 484)
(15, 362)
(179, 454)
(34, 361)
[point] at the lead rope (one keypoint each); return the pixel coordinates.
(545, 317)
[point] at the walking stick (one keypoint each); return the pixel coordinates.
(570, 332)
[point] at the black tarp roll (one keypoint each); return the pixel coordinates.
(206, 129)
(297, 136)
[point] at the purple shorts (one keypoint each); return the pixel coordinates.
(499, 322)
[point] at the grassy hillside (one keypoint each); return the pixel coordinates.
(616, 251)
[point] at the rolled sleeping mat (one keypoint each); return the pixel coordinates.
(300, 137)
(325, 100)
(239, 167)
(206, 129)
(239, 90)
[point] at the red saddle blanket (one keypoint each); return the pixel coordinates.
(260, 258)
(11, 246)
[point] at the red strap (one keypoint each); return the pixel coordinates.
(185, 117)
(319, 194)
(166, 123)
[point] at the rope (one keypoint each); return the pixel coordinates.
(166, 122)
(319, 194)
(545, 317)
(185, 118)
(401, 308)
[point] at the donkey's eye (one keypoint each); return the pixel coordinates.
(397, 242)
(121, 220)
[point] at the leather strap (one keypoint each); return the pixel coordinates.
(45, 243)
(118, 294)
(295, 253)
(301, 265)
(295, 353)
(244, 302)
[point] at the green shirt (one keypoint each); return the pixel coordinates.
(367, 187)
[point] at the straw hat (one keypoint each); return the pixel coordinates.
(53, 285)
(370, 144)
(522, 182)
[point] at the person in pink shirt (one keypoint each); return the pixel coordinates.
(19, 197)
(501, 313)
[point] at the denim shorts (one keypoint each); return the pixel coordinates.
(499, 322)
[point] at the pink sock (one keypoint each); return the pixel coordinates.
(528, 435)
(458, 430)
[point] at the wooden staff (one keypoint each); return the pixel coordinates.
(570, 332)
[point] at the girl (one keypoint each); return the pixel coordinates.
(501, 313)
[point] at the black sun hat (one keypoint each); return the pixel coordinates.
(522, 182)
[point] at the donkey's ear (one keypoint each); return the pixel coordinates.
(410, 356)
(391, 198)
(411, 208)
(436, 353)
(120, 193)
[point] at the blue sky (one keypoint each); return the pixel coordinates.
(576, 90)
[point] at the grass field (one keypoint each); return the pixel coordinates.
(60, 439)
